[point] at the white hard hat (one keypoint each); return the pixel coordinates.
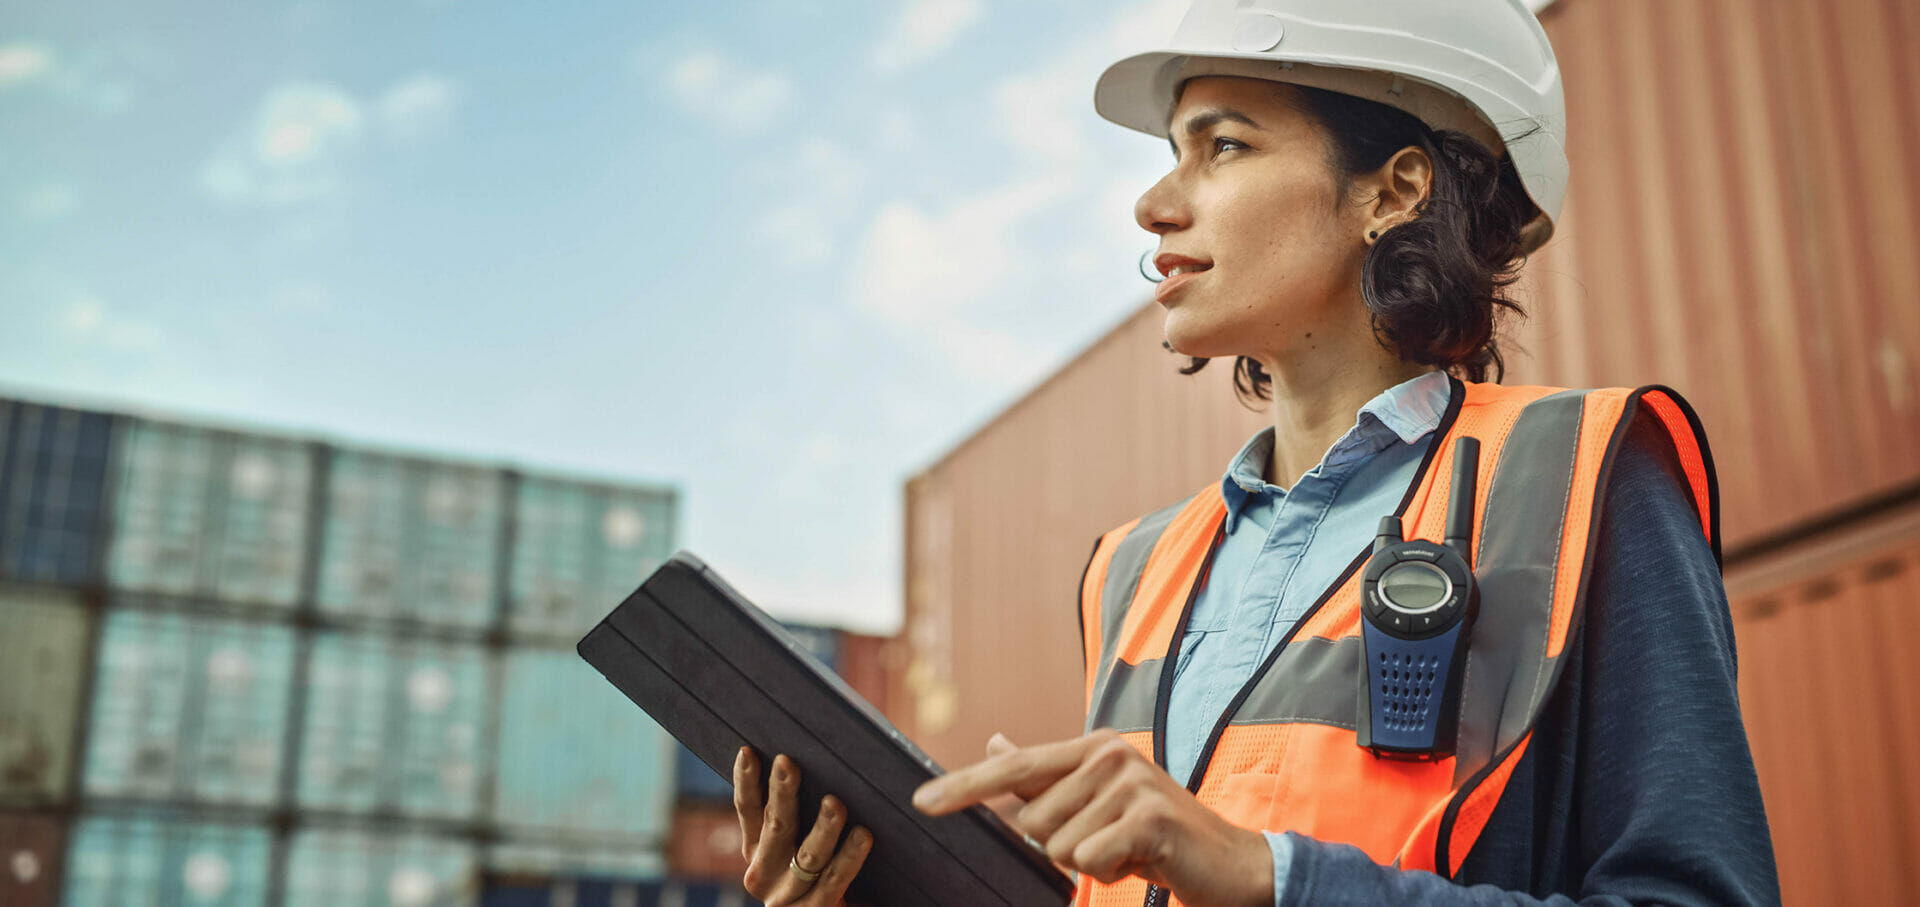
(1482, 67)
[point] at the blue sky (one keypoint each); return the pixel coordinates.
(780, 254)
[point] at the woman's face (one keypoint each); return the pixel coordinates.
(1251, 202)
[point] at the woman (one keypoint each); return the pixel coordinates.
(1342, 224)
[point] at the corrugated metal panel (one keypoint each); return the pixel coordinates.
(31, 855)
(576, 755)
(53, 470)
(393, 724)
(156, 862)
(580, 550)
(1745, 230)
(205, 513)
(188, 708)
(1828, 687)
(533, 857)
(706, 843)
(410, 539)
(356, 868)
(43, 646)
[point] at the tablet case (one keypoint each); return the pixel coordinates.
(718, 673)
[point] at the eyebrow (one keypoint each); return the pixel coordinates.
(1207, 119)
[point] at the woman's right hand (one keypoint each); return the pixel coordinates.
(777, 869)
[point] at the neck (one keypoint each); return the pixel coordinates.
(1315, 400)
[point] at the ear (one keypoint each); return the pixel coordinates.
(1399, 188)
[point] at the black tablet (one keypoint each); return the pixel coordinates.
(718, 673)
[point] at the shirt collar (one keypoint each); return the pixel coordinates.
(1405, 412)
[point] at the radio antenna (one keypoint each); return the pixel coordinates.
(1466, 475)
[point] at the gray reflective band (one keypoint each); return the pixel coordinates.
(1116, 594)
(1515, 565)
(1314, 680)
(1134, 691)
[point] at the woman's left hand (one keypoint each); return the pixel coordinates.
(1100, 808)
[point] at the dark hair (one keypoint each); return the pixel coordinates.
(1433, 285)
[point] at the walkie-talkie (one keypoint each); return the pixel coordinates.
(1418, 601)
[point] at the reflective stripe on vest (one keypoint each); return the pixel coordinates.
(1284, 755)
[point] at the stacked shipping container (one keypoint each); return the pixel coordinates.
(240, 669)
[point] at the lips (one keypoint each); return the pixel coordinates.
(1167, 289)
(1171, 264)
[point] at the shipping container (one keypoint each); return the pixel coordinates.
(693, 779)
(362, 868)
(32, 848)
(871, 665)
(43, 648)
(53, 471)
(1828, 687)
(580, 549)
(576, 755)
(164, 861)
(615, 893)
(411, 539)
(393, 725)
(1789, 317)
(548, 857)
(706, 843)
(188, 707)
(211, 514)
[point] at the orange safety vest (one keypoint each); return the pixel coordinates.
(1284, 755)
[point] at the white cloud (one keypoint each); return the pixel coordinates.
(897, 130)
(418, 106)
(24, 61)
(819, 188)
(922, 30)
(293, 151)
(728, 93)
(921, 272)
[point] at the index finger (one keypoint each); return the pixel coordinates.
(1024, 772)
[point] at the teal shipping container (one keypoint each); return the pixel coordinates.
(363, 868)
(579, 550)
(43, 647)
(393, 725)
(156, 861)
(53, 471)
(211, 514)
(188, 708)
(576, 755)
(410, 539)
(547, 858)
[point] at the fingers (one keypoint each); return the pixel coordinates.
(748, 799)
(773, 853)
(999, 745)
(817, 849)
(1105, 768)
(832, 886)
(1024, 772)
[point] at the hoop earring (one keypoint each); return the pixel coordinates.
(1151, 276)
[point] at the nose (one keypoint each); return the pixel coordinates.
(1162, 209)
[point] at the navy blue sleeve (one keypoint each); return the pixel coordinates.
(1662, 805)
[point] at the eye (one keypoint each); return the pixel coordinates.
(1223, 144)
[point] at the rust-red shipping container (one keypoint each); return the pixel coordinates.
(1826, 632)
(31, 849)
(705, 843)
(872, 665)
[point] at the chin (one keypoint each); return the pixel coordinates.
(1205, 341)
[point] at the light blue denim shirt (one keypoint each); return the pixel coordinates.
(1283, 548)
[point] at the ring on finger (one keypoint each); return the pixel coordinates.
(801, 872)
